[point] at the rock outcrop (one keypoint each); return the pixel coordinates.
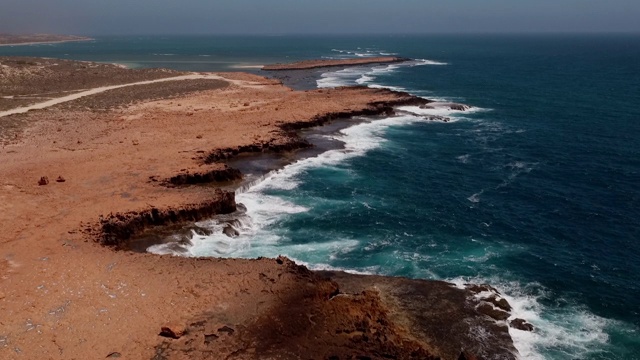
(218, 175)
(335, 315)
(446, 105)
(117, 229)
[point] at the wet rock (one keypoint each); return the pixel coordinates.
(499, 302)
(230, 231)
(446, 105)
(460, 107)
(493, 312)
(437, 118)
(478, 288)
(521, 324)
(173, 331)
(43, 181)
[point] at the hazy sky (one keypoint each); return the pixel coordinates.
(97, 17)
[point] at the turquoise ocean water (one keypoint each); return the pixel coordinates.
(536, 190)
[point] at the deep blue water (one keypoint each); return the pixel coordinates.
(536, 190)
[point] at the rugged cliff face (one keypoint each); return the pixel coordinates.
(117, 229)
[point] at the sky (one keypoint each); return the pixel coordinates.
(120, 17)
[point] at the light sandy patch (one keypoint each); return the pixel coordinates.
(53, 102)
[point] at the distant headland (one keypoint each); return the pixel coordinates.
(28, 39)
(312, 64)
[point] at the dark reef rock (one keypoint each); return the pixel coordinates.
(493, 312)
(450, 106)
(478, 288)
(521, 324)
(499, 303)
(437, 118)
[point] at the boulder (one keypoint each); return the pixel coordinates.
(173, 331)
(521, 324)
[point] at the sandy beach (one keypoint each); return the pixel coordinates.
(99, 155)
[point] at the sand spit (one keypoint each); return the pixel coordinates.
(313, 64)
(33, 39)
(65, 293)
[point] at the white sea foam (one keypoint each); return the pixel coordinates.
(572, 330)
(360, 75)
(429, 62)
(475, 198)
(394, 88)
(372, 270)
(340, 78)
(464, 158)
(364, 79)
(358, 53)
(440, 109)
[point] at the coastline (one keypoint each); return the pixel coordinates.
(44, 42)
(325, 63)
(114, 162)
(33, 39)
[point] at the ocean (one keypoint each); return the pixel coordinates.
(534, 190)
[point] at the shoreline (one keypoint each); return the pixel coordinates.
(325, 63)
(33, 39)
(45, 42)
(107, 162)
